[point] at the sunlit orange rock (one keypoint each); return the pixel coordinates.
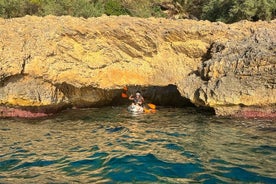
(64, 61)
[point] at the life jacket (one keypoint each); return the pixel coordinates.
(137, 100)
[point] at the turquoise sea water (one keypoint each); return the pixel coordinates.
(110, 145)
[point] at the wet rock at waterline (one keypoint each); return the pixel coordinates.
(51, 63)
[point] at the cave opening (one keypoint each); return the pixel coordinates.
(162, 96)
(166, 96)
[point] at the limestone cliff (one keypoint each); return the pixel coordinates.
(49, 63)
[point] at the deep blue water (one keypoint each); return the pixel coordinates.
(110, 145)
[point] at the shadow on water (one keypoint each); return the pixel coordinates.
(111, 145)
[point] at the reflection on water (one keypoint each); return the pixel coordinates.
(110, 145)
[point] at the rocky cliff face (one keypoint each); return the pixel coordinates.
(52, 62)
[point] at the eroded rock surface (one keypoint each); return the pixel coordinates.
(49, 63)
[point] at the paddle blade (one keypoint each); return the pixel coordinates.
(153, 110)
(152, 106)
(147, 110)
(124, 95)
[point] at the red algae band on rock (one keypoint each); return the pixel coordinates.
(13, 112)
(257, 114)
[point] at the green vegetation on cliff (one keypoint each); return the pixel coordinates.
(214, 10)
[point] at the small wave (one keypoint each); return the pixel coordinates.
(37, 163)
(112, 146)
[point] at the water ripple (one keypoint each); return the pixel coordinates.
(112, 146)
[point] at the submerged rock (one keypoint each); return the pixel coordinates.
(50, 63)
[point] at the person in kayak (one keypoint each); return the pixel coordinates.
(138, 99)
